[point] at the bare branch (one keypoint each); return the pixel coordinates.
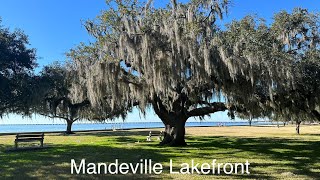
(54, 116)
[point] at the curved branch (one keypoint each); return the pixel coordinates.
(214, 107)
(55, 116)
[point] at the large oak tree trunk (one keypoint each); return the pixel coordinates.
(174, 121)
(174, 133)
(69, 127)
(179, 132)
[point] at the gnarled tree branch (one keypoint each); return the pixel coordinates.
(214, 107)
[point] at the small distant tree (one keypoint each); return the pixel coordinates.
(250, 116)
(52, 97)
(17, 62)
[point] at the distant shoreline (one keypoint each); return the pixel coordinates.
(119, 128)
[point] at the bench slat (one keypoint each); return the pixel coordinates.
(29, 135)
(29, 139)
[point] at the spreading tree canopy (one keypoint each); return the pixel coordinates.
(176, 60)
(300, 33)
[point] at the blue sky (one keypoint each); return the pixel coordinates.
(54, 27)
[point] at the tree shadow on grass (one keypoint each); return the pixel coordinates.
(54, 163)
(301, 156)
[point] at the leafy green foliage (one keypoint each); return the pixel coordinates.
(16, 64)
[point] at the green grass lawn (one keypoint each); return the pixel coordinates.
(274, 153)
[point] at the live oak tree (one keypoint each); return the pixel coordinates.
(51, 97)
(177, 61)
(17, 62)
(297, 98)
(300, 34)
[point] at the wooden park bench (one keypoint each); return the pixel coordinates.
(159, 135)
(29, 138)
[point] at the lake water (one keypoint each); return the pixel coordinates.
(15, 128)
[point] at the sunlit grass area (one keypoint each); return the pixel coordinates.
(273, 153)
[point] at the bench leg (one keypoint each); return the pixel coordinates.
(16, 145)
(41, 143)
